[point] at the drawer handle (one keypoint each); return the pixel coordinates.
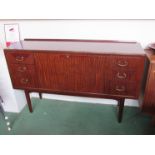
(120, 89)
(123, 76)
(122, 64)
(20, 58)
(24, 81)
(22, 69)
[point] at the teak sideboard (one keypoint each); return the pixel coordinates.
(93, 68)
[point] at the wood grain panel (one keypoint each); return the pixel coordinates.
(79, 73)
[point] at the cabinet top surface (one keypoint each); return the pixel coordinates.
(101, 47)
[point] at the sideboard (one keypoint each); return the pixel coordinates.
(92, 68)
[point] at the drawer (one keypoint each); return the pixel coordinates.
(122, 88)
(22, 69)
(24, 81)
(126, 62)
(123, 75)
(20, 57)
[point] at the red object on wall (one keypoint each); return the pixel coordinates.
(8, 44)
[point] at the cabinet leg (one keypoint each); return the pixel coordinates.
(28, 100)
(40, 95)
(120, 109)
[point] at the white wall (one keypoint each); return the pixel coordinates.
(135, 30)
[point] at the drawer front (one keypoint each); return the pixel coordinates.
(123, 75)
(20, 57)
(22, 69)
(122, 88)
(23, 81)
(126, 62)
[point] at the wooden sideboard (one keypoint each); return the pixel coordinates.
(94, 68)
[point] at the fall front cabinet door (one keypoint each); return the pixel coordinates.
(71, 72)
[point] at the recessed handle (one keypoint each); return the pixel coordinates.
(121, 76)
(22, 69)
(64, 56)
(67, 56)
(24, 80)
(120, 89)
(122, 63)
(20, 58)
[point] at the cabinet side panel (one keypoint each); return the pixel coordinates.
(149, 96)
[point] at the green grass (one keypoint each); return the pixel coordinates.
(74, 118)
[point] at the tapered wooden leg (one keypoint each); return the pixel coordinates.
(28, 100)
(120, 109)
(40, 95)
